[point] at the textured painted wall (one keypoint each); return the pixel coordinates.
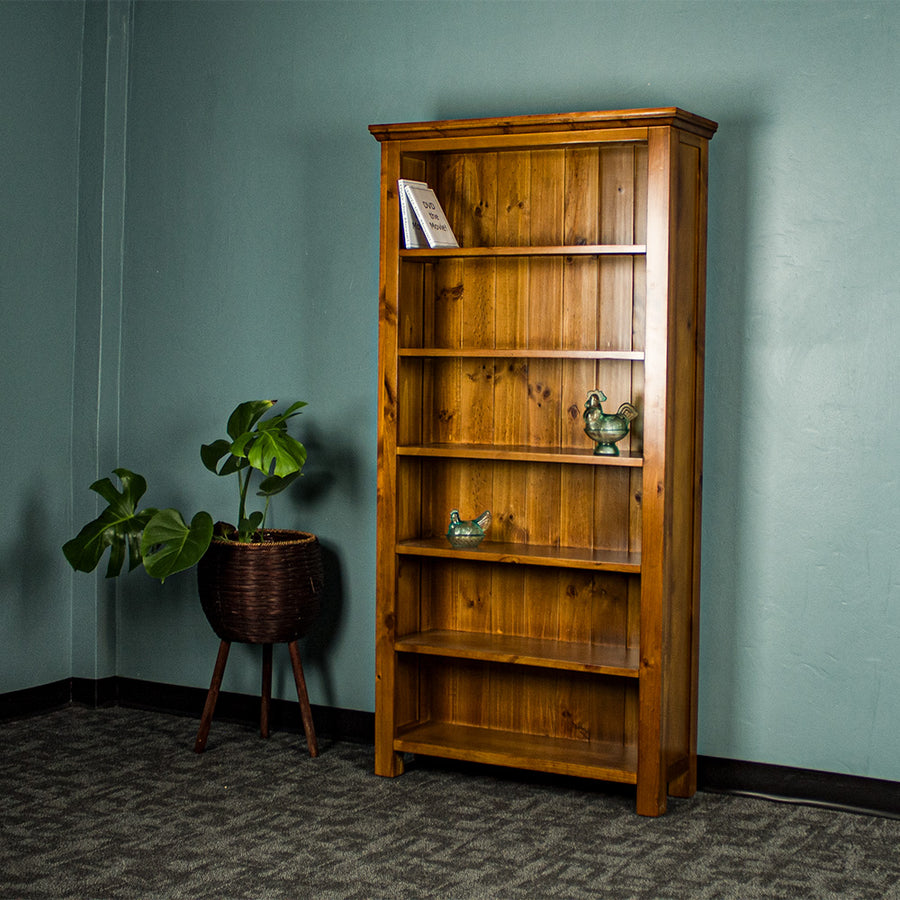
(40, 46)
(252, 228)
(251, 269)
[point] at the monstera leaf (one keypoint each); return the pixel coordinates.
(212, 454)
(161, 539)
(169, 545)
(260, 444)
(263, 443)
(118, 527)
(240, 423)
(273, 485)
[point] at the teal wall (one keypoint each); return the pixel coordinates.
(247, 266)
(40, 49)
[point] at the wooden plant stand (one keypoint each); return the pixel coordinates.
(216, 683)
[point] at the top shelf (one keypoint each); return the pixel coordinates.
(554, 250)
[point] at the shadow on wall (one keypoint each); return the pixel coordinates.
(35, 594)
(731, 187)
(331, 462)
(29, 562)
(316, 645)
(334, 464)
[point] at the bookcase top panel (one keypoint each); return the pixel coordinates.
(531, 124)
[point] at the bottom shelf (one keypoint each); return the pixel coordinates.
(604, 761)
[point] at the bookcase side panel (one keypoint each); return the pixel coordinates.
(686, 333)
(651, 787)
(387, 762)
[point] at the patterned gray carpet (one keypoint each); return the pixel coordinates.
(113, 803)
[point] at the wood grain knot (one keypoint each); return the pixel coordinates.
(450, 294)
(539, 392)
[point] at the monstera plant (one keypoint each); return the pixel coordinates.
(160, 539)
(257, 585)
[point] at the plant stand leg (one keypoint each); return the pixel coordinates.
(303, 697)
(211, 697)
(266, 690)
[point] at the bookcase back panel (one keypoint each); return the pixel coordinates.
(527, 402)
(585, 194)
(533, 601)
(576, 707)
(524, 303)
(555, 505)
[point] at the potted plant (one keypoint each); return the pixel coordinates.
(257, 585)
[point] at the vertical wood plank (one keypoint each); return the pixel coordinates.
(510, 510)
(651, 794)
(478, 201)
(510, 383)
(692, 299)
(387, 687)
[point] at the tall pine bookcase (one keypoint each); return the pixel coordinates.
(567, 641)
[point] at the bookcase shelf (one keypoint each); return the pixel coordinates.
(520, 453)
(425, 254)
(528, 554)
(567, 641)
(613, 660)
(561, 756)
(516, 353)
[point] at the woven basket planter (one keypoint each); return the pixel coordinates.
(265, 593)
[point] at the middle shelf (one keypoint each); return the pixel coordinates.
(517, 353)
(597, 560)
(534, 400)
(520, 453)
(573, 656)
(545, 511)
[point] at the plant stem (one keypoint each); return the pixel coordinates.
(244, 484)
(265, 514)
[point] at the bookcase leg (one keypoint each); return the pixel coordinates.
(388, 764)
(685, 785)
(651, 803)
(651, 792)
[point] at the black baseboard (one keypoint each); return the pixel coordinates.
(849, 793)
(35, 700)
(95, 692)
(284, 715)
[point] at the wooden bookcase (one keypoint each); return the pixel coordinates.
(567, 641)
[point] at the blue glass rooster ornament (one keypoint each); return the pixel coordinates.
(605, 429)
